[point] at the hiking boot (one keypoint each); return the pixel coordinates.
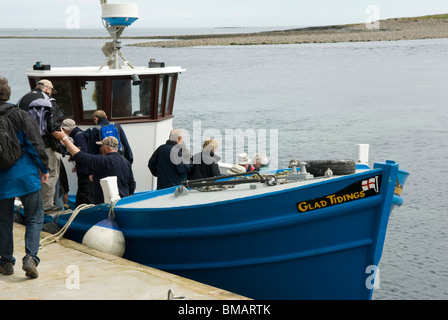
(29, 266)
(7, 269)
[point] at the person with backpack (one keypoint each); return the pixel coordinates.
(48, 116)
(104, 128)
(20, 177)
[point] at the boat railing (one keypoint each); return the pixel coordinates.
(229, 180)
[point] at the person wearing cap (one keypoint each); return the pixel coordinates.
(243, 160)
(40, 99)
(236, 169)
(205, 163)
(109, 163)
(83, 195)
(261, 162)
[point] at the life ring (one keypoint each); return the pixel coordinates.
(318, 167)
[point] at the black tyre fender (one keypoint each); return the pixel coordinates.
(339, 167)
(19, 218)
(51, 227)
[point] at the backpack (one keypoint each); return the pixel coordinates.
(10, 150)
(41, 111)
(110, 130)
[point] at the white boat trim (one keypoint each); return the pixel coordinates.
(104, 72)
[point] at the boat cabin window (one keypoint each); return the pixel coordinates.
(145, 97)
(160, 100)
(63, 97)
(137, 101)
(91, 92)
(170, 95)
(131, 101)
(123, 102)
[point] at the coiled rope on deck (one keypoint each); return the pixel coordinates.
(57, 236)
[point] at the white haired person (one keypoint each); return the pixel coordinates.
(261, 162)
(205, 163)
(170, 163)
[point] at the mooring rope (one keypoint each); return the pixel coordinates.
(57, 236)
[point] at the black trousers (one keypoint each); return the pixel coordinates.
(84, 193)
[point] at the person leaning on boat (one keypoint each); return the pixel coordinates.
(109, 163)
(24, 180)
(170, 163)
(205, 163)
(100, 119)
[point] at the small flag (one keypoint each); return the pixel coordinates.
(372, 183)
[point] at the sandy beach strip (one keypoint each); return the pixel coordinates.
(428, 27)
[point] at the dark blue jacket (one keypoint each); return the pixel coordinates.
(94, 136)
(204, 166)
(168, 174)
(111, 164)
(80, 140)
(23, 178)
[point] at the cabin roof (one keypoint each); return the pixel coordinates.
(104, 72)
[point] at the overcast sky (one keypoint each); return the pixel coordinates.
(212, 13)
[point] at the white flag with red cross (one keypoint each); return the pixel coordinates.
(371, 183)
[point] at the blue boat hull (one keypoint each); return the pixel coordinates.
(318, 241)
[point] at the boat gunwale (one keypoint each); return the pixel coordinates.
(262, 224)
(164, 192)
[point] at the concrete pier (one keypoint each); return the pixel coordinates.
(69, 270)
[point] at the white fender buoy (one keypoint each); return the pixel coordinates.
(107, 237)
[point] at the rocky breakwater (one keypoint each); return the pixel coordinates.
(427, 27)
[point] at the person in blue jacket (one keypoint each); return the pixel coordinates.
(23, 180)
(170, 163)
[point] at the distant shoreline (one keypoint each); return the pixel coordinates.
(426, 27)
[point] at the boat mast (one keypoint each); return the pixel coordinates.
(125, 15)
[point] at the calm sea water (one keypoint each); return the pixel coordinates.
(321, 100)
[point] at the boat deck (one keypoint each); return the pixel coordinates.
(69, 270)
(195, 197)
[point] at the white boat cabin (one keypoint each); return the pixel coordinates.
(141, 99)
